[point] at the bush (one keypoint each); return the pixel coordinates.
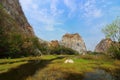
(94, 53)
(17, 45)
(13, 40)
(63, 50)
(114, 50)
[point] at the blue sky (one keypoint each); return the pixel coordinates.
(51, 19)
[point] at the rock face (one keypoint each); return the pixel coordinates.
(13, 8)
(54, 43)
(73, 41)
(104, 45)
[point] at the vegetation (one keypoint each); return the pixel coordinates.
(52, 67)
(13, 41)
(63, 50)
(114, 50)
(113, 31)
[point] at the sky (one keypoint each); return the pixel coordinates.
(51, 19)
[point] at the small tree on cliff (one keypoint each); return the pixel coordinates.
(113, 31)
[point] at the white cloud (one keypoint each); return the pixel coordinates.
(44, 17)
(71, 5)
(90, 9)
(53, 7)
(41, 14)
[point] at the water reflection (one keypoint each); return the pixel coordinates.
(98, 75)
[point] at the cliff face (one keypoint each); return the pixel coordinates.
(54, 43)
(73, 41)
(104, 45)
(16, 35)
(13, 9)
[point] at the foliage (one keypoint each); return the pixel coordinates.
(13, 41)
(14, 45)
(43, 47)
(1, 5)
(113, 30)
(94, 53)
(63, 50)
(114, 50)
(50, 67)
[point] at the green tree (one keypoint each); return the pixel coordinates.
(63, 50)
(113, 30)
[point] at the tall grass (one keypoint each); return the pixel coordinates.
(52, 67)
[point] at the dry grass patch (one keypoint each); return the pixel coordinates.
(52, 67)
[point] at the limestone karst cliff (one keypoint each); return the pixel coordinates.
(74, 41)
(13, 9)
(16, 35)
(54, 43)
(103, 45)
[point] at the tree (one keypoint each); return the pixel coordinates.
(63, 50)
(114, 50)
(113, 30)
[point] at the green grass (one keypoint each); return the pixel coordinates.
(6, 67)
(47, 57)
(6, 64)
(1, 6)
(52, 67)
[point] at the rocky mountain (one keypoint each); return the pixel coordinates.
(74, 41)
(16, 35)
(103, 45)
(54, 43)
(13, 12)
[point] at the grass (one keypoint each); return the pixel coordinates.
(6, 64)
(1, 6)
(52, 67)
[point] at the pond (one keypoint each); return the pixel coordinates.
(98, 74)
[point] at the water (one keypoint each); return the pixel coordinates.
(98, 75)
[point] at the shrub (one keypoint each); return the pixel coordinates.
(63, 50)
(13, 41)
(114, 50)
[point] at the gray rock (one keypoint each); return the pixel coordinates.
(13, 8)
(103, 45)
(74, 41)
